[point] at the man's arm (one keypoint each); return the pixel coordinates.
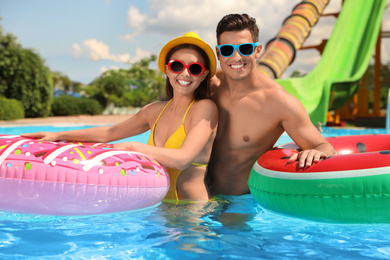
(298, 126)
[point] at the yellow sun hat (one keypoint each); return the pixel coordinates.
(188, 38)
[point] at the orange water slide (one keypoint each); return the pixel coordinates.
(280, 51)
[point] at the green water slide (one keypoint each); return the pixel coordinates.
(344, 60)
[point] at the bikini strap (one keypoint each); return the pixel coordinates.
(184, 118)
(162, 111)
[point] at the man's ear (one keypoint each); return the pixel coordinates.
(258, 50)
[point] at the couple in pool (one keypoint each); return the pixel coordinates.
(215, 123)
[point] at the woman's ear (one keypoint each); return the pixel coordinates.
(206, 72)
(217, 52)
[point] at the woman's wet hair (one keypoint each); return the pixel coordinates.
(203, 90)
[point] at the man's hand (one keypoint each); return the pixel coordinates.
(307, 158)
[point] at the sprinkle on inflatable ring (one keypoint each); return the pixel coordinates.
(64, 178)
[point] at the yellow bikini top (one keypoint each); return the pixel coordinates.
(175, 141)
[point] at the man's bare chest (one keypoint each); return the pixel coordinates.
(244, 125)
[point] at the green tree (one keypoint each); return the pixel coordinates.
(23, 76)
(109, 88)
(77, 87)
(148, 84)
(61, 81)
(385, 84)
(10, 109)
(135, 86)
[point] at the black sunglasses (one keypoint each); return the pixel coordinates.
(245, 49)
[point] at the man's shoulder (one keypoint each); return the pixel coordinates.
(259, 84)
(268, 86)
(216, 80)
(267, 82)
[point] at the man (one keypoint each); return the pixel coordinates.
(253, 111)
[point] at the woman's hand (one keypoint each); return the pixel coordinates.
(41, 136)
(129, 146)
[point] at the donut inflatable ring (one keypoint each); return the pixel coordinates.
(65, 178)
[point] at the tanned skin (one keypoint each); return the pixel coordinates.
(253, 113)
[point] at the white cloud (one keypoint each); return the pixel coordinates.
(134, 18)
(172, 18)
(97, 50)
(128, 37)
(76, 50)
(139, 55)
(104, 68)
(136, 21)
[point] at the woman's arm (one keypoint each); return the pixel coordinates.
(134, 125)
(197, 145)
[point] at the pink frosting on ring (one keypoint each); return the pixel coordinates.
(78, 164)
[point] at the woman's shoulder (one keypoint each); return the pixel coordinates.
(152, 110)
(154, 106)
(205, 108)
(205, 104)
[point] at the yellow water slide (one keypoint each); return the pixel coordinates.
(280, 51)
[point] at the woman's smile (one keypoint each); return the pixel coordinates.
(184, 82)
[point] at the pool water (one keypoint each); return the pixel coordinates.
(229, 227)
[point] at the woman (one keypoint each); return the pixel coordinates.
(182, 129)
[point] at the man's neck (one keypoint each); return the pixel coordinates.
(238, 87)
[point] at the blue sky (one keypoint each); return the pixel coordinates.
(83, 38)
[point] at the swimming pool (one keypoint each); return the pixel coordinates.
(232, 227)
